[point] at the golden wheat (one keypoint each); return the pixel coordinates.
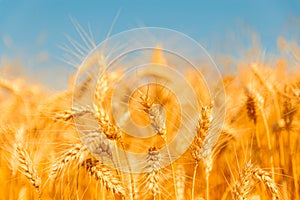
(105, 175)
(27, 168)
(262, 122)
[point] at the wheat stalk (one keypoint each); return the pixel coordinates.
(259, 106)
(288, 119)
(158, 122)
(107, 127)
(28, 169)
(204, 124)
(254, 103)
(202, 130)
(113, 132)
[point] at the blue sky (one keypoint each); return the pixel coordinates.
(30, 27)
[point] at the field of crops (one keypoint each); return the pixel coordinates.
(256, 156)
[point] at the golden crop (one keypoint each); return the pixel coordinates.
(257, 155)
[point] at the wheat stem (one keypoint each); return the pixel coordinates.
(130, 172)
(194, 180)
(207, 174)
(269, 143)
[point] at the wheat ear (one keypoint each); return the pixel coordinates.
(243, 185)
(67, 115)
(154, 173)
(253, 104)
(77, 153)
(202, 130)
(246, 182)
(105, 175)
(260, 107)
(113, 132)
(265, 177)
(27, 168)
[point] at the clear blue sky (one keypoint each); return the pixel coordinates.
(23, 22)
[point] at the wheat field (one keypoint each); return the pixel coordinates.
(257, 155)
